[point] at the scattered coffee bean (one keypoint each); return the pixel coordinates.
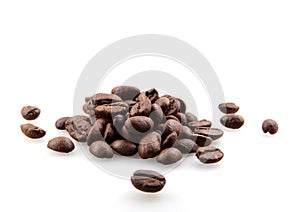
(123, 147)
(209, 154)
(101, 149)
(270, 126)
(61, 144)
(30, 112)
(213, 133)
(228, 107)
(60, 123)
(232, 121)
(148, 181)
(32, 131)
(169, 156)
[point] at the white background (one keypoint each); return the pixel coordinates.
(253, 46)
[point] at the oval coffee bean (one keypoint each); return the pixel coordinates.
(126, 92)
(111, 110)
(148, 181)
(60, 123)
(78, 127)
(209, 154)
(185, 132)
(169, 156)
(270, 126)
(213, 133)
(101, 149)
(61, 144)
(142, 108)
(164, 103)
(109, 133)
(152, 94)
(172, 126)
(157, 115)
(186, 146)
(150, 145)
(174, 105)
(124, 147)
(104, 98)
(32, 131)
(232, 121)
(201, 123)
(139, 124)
(228, 107)
(169, 140)
(30, 112)
(201, 140)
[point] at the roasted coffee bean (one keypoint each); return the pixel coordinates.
(270, 126)
(169, 156)
(182, 105)
(109, 134)
(172, 126)
(141, 108)
(201, 140)
(185, 132)
(96, 132)
(104, 98)
(201, 123)
(182, 118)
(164, 103)
(124, 147)
(186, 146)
(169, 140)
(213, 133)
(30, 112)
(32, 131)
(190, 117)
(228, 107)
(232, 121)
(126, 92)
(111, 110)
(150, 145)
(209, 154)
(60, 123)
(101, 149)
(148, 181)
(174, 105)
(78, 127)
(152, 94)
(139, 124)
(157, 115)
(61, 144)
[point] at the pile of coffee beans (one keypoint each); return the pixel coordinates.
(128, 121)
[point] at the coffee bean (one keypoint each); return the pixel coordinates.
(96, 132)
(30, 112)
(232, 121)
(111, 110)
(61, 144)
(152, 94)
(124, 147)
(164, 103)
(141, 108)
(169, 140)
(109, 134)
(150, 145)
(270, 126)
(78, 127)
(104, 98)
(157, 115)
(182, 118)
(148, 181)
(174, 105)
(126, 92)
(182, 105)
(228, 107)
(60, 123)
(185, 132)
(101, 149)
(32, 131)
(213, 133)
(172, 126)
(201, 123)
(169, 156)
(139, 124)
(201, 140)
(209, 155)
(186, 146)
(190, 117)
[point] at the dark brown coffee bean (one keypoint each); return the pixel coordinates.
(109, 134)
(123, 147)
(126, 92)
(190, 117)
(78, 127)
(61, 144)
(169, 156)
(186, 146)
(157, 115)
(228, 107)
(32, 131)
(104, 98)
(182, 118)
(164, 103)
(174, 105)
(172, 126)
(185, 132)
(209, 154)
(270, 126)
(101, 149)
(139, 124)
(201, 123)
(152, 94)
(213, 133)
(60, 123)
(111, 110)
(96, 132)
(148, 181)
(30, 112)
(150, 145)
(232, 121)
(169, 140)
(141, 108)
(201, 140)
